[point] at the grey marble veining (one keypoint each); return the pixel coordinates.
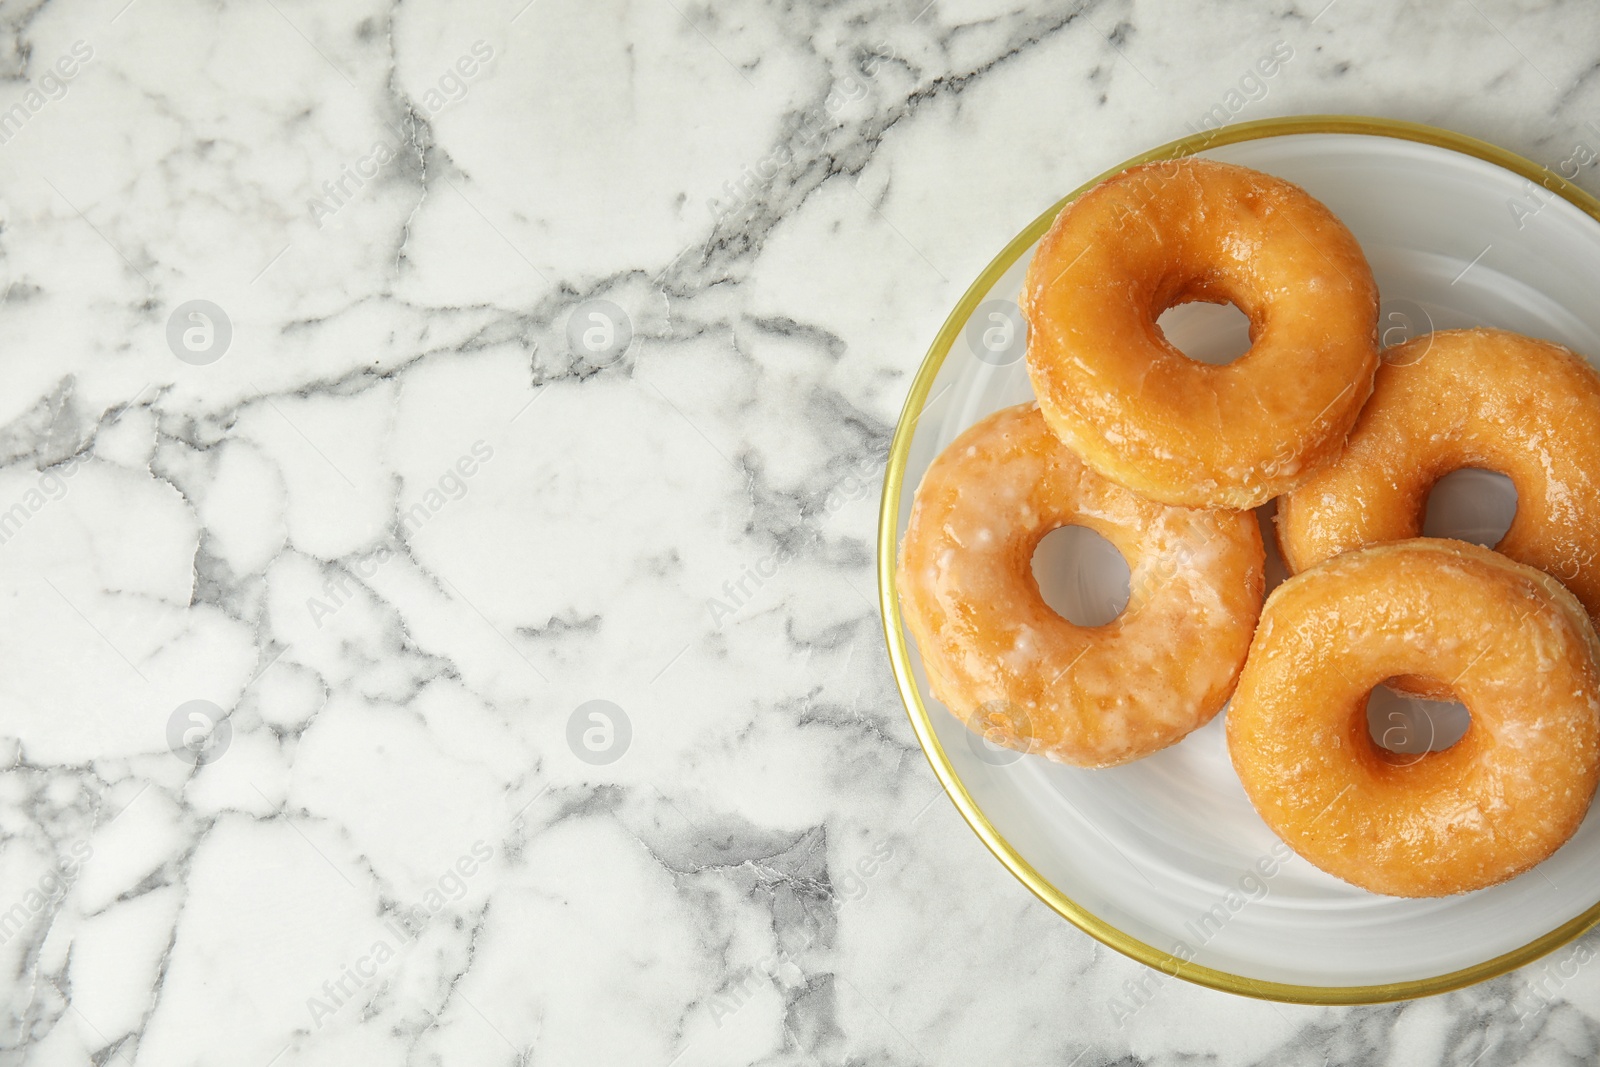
(455, 640)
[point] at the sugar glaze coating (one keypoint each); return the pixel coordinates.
(1017, 672)
(1508, 640)
(1136, 408)
(1465, 398)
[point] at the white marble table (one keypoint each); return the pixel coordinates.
(308, 588)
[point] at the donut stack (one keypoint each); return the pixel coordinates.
(1164, 456)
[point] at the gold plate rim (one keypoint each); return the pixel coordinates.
(894, 634)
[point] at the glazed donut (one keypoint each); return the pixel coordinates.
(1465, 398)
(1021, 675)
(1514, 645)
(1137, 409)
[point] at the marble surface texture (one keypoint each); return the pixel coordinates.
(439, 452)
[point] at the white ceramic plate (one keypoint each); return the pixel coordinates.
(1163, 859)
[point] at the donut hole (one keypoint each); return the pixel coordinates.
(1209, 333)
(1410, 727)
(1471, 504)
(1081, 575)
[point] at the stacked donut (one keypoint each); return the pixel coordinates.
(1164, 456)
